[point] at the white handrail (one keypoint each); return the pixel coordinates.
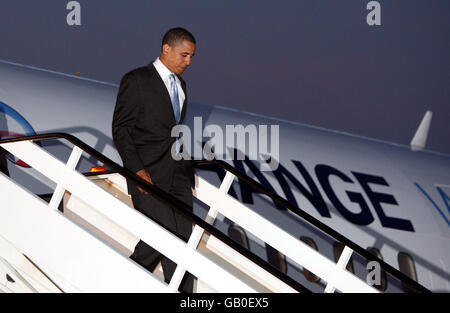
(290, 246)
(135, 222)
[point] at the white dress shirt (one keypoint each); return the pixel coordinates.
(164, 73)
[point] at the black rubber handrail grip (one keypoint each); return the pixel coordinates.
(323, 227)
(296, 210)
(168, 199)
(312, 220)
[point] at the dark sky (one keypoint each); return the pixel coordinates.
(315, 62)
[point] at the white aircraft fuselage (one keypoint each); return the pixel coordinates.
(376, 193)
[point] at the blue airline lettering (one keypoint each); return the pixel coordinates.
(365, 217)
(312, 193)
(445, 198)
(377, 198)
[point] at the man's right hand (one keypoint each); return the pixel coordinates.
(145, 176)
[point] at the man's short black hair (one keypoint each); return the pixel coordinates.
(176, 35)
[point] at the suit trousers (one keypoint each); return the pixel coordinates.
(147, 256)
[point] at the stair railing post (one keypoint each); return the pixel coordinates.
(342, 263)
(197, 232)
(59, 190)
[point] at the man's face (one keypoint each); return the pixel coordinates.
(178, 57)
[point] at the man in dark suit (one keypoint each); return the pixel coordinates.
(150, 102)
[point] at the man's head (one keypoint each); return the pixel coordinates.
(178, 47)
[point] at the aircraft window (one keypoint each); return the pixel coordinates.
(407, 267)
(383, 280)
(10, 279)
(337, 250)
(276, 258)
(310, 276)
(238, 234)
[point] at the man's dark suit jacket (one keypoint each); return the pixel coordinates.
(142, 123)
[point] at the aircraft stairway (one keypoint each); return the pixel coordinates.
(86, 247)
